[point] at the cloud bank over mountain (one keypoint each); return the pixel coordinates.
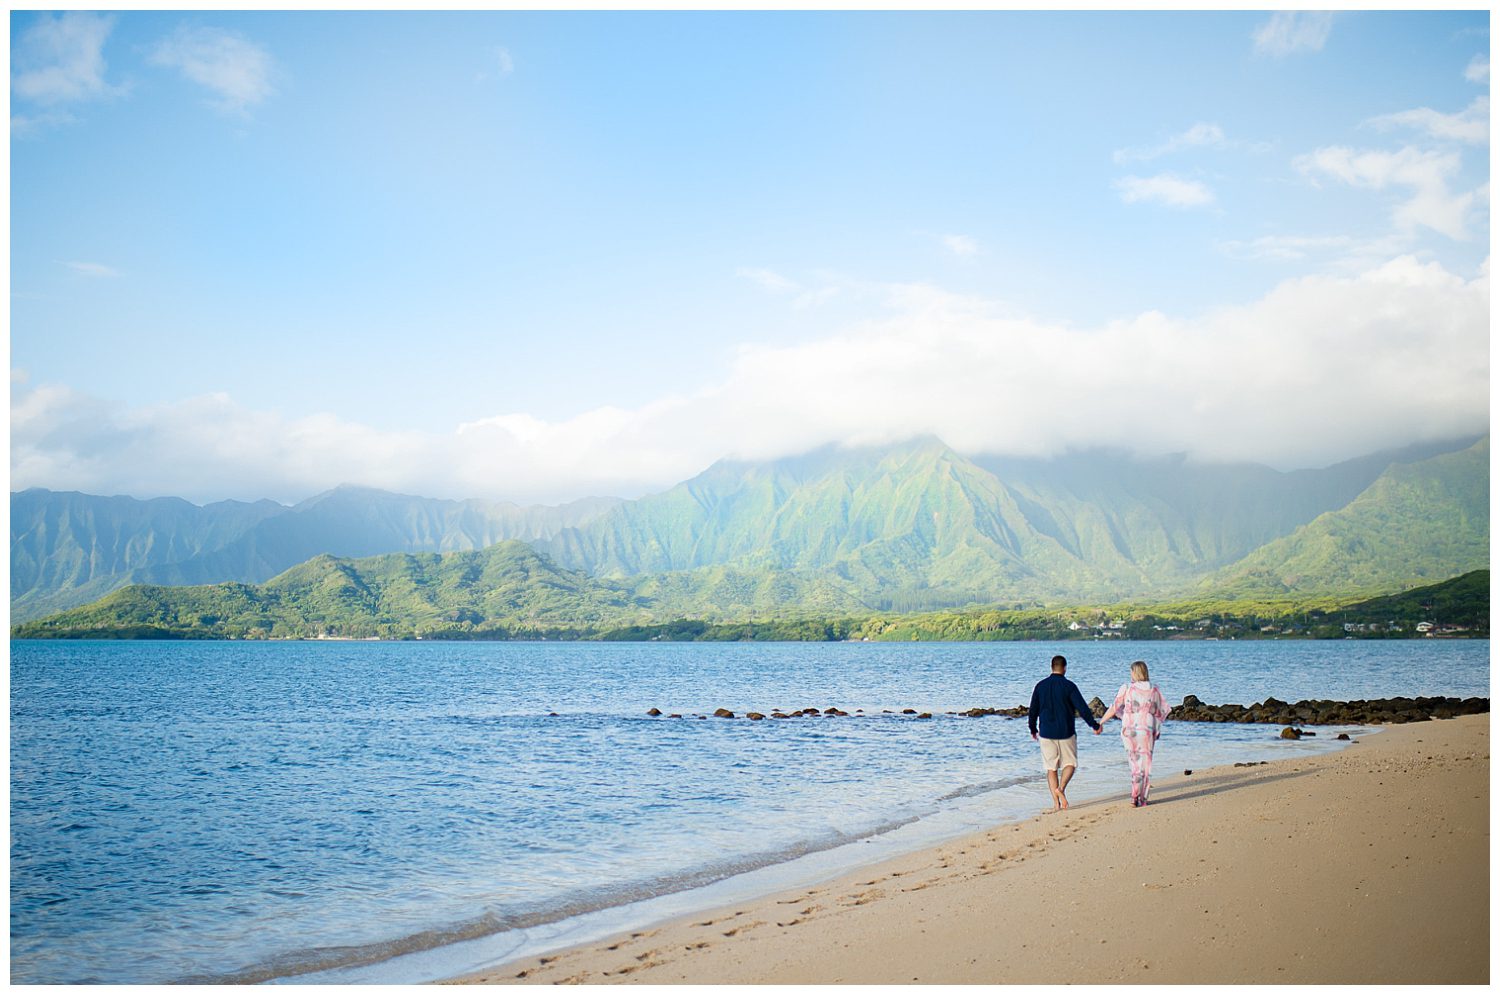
(1321, 368)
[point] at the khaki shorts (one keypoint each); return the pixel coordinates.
(1059, 753)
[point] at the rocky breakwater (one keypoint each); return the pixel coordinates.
(1322, 712)
(1378, 711)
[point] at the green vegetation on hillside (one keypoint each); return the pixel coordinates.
(1416, 524)
(509, 591)
(505, 591)
(896, 530)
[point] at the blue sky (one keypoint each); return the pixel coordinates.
(258, 254)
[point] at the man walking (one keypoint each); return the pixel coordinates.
(1053, 703)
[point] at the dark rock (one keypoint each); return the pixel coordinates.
(674, 715)
(925, 715)
(1097, 707)
(723, 713)
(1290, 733)
(551, 715)
(1187, 773)
(908, 711)
(1342, 735)
(1191, 701)
(754, 716)
(653, 712)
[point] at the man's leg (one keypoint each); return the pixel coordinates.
(1062, 787)
(1056, 792)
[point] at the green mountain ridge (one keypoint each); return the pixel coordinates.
(919, 526)
(68, 549)
(1415, 524)
(835, 532)
(507, 584)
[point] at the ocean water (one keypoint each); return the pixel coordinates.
(400, 811)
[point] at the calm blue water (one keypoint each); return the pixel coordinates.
(249, 811)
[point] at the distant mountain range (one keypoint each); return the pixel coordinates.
(910, 527)
(68, 548)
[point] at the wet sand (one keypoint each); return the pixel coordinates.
(1366, 866)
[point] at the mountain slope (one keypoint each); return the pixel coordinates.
(919, 526)
(909, 527)
(506, 585)
(68, 548)
(351, 521)
(1172, 519)
(1417, 523)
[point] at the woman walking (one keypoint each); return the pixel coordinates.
(1141, 709)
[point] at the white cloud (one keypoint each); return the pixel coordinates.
(1341, 252)
(768, 280)
(1470, 125)
(1478, 69)
(498, 63)
(61, 59)
(1288, 32)
(92, 269)
(802, 297)
(1393, 354)
(235, 69)
(1425, 173)
(961, 245)
(1200, 135)
(1164, 188)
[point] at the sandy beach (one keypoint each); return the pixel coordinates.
(1366, 866)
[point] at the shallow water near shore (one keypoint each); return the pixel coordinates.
(404, 811)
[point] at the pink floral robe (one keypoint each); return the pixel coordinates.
(1141, 709)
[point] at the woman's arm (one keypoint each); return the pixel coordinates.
(1119, 704)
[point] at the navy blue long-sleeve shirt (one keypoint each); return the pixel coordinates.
(1052, 706)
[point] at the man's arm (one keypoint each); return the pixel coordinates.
(1084, 711)
(1036, 709)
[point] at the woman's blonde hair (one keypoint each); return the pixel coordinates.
(1139, 672)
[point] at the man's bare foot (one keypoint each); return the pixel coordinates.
(1058, 801)
(1062, 801)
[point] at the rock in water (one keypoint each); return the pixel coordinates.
(754, 716)
(1290, 733)
(1342, 735)
(723, 713)
(653, 712)
(1097, 707)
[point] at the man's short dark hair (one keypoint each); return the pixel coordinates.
(1059, 664)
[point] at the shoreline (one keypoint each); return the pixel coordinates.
(1268, 873)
